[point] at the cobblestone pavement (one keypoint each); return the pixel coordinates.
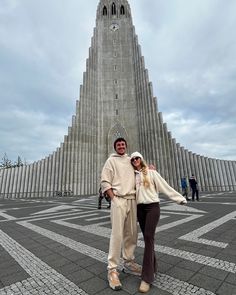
(59, 246)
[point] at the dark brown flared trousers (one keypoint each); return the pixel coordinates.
(148, 217)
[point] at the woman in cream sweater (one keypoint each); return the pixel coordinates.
(149, 184)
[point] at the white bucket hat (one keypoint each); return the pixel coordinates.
(136, 154)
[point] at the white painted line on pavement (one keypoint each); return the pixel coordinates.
(48, 280)
(162, 281)
(195, 235)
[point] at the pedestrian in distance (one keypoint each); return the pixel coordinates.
(194, 187)
(101, 196)
(118, 182)
(184, 187)
(149, 184)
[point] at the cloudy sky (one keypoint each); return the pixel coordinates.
(189, 48)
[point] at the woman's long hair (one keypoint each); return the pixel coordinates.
(144, 171)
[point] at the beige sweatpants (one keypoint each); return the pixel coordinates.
(124, 231)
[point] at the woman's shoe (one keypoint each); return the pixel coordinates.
(144, 287)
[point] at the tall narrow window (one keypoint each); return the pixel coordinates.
(104, 12)
(122, 10)
(113, 9)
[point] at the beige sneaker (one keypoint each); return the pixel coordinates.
(132, 268)
(113, 279)
(144, 287)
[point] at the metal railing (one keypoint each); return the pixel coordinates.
(34, 195)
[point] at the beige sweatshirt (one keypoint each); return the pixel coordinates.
(157, 185)
(118, 174)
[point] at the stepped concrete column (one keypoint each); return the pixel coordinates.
(191, 161)
(209, 176)
(41, 178)
(60, 169)
(25, 183)
(200, 175)
(173, 179)
(203, 184)
(206, 180)
(3, 173)
(184, 162)
(37, 178)
(189, 171)
(29, 191)
(228, 173)
(18, 181)
(160, 145)
(225, 180)
(196, 168)
(177, 165)
(213, 175)
(11, 182)
(222, 183)
(180, 160)
(14, 182)
(168, 165)
(232, 175)
(217, 177)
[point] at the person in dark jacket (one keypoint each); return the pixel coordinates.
(100, 198)
(184, 187)
(194, 187)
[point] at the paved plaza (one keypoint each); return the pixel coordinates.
(60, 245)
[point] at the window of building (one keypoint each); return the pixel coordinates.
(104, 12)
(122, 10)
(116, 96)
(113, 9)
(117, 112)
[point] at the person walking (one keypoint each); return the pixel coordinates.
(149, 184)
(118, 182)
(184, 187)
(194, 187)
(101, 196)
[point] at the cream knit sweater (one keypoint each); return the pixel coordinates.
(157, 185)
(118, 174)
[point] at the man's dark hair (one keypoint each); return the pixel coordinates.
(118, 140)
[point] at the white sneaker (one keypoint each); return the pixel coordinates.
(113, 279)
(144, 287)
(132, 268)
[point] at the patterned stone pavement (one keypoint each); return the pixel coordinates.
(59, 246)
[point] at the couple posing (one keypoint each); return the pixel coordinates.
(133, 190)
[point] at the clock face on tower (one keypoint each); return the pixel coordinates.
(114, 27)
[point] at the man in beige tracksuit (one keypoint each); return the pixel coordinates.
(118, 181)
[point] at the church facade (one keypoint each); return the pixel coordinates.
(116, 100)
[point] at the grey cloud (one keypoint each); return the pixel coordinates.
(205, 138)
(30, 134)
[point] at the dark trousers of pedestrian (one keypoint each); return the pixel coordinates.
(100, 198)
(185, 192)
(148, 217)
(195, 192)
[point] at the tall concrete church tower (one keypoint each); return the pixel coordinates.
(116, 100)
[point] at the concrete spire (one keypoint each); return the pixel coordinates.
(116, 100)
